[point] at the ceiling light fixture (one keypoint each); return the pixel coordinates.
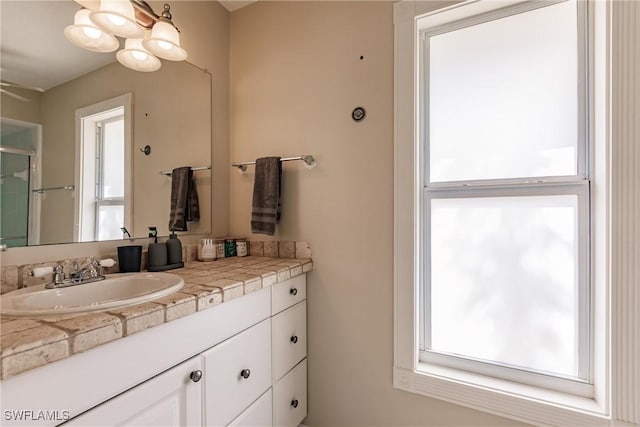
(165, 39)
(135, 56)
(117, 17)
(146, 33)
(85, 34)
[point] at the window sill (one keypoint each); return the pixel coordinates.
(505, 398)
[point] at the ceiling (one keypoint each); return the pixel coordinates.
(232, 5)
(44, 59)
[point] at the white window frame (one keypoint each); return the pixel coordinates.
(577, 184)
(85, 192)
(616, 368)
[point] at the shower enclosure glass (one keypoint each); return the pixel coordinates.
(19, 210)
(14, 199)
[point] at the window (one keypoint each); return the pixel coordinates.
(109, 196)
(103, 169)
(513, 269)
(506, 196)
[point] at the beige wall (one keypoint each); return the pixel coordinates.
(170, 113)
(204, 29)
(26, 111)
(296, 76)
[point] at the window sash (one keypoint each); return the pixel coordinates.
(580, 385)
(116, 201)
(100, 156)
(583, 122)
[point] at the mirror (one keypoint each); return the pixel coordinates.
(44, 92)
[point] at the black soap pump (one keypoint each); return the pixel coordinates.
(174, 249)
(157, 252)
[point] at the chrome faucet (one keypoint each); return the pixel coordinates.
(91, 272)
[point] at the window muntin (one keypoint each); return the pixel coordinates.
(530, 141)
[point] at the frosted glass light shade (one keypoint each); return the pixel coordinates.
(165, 42)
(134, 56)
(117, 17)
(83, 33)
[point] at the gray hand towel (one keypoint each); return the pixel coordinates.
(266, 195)
(184, 199)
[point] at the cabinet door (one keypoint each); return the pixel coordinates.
(290, 397)
(170, 399)
(289, 341)
(259, 414)
(237, 372)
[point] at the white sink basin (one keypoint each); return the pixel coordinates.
(117, 290)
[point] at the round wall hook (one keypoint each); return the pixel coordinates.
(358, 114)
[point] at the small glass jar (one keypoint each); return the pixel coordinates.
(230, 247)
(220, 248)
(241, 247)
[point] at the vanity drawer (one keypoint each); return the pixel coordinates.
(259, 414)
(290, 397)
(289, 339)
(236, 373)
(287, 293)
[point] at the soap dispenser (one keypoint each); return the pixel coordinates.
(157, 252)
(174, 249)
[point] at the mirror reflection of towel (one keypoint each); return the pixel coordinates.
(265, 213)
(184, 199)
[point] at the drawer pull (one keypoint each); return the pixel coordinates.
(294, 403)
(245, 373)
(196, 376)
(294, 339)
(293, 291)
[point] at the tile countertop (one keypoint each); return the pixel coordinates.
(28, 342)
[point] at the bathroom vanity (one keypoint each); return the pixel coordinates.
(240, 362)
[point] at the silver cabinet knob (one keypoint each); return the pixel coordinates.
(294, 403)
(245, 373)
(294, 339)
(293, 291)
(196, 376)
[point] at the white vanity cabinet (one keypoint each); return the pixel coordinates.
(241, 363)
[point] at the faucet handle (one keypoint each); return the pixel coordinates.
(58, 274)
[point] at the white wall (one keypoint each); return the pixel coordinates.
(296, 75)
